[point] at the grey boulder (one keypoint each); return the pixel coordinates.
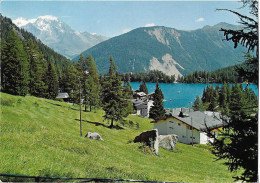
(168, 141)
(94, 136)
(149, 138)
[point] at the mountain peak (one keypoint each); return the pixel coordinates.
(48, 17)
(58, 35)
(20, 21)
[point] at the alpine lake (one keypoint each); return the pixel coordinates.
(178, 95)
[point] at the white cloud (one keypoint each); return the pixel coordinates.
(126, 30)
(201, 19)
(150, 25)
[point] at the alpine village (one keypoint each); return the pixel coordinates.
(154, 104)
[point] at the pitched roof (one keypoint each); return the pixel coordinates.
(141, 94)
(62, 95)
(196, 119)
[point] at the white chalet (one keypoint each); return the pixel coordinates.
(187, 125)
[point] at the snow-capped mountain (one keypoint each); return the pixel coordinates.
(58, 35)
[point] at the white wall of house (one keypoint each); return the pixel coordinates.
(174, 126)
(203, 138)
(161, 127)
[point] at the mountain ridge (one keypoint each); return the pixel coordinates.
(175, 52)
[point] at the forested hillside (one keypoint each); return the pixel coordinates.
(60, 62)
(227, 74)
(28, 66)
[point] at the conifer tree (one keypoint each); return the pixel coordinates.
(157, 111)
(143, 88)
(127, 90)
(237, 143)
(81, 67)
(223, 96)
(51, 81)
(71, 80)
(14, 66)
(213, 100)
(112, 98)
(37, 70)
(93, 87)
(197, 106)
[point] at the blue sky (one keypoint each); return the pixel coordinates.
(112, 18)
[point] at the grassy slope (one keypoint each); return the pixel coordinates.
(41, 137)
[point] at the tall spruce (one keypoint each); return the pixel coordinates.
(197, 105)
(112, 98)
(37, 69)
(143, 88)
(71, 83)
(51, 81)
(14, 66)
(81, 67)
(93, 86)
(157, 111)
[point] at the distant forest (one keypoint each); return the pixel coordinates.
(224, 75)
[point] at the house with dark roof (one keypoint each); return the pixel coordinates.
(189, 125)
(141, 107)
(140, 95)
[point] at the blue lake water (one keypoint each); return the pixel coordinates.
(181, 94)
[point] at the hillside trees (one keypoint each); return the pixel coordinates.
(197, 106)
(227, 98)
(157, 111)
(112, 100)
(93, 87)
(71, 83)
(37, 69)
(14, 63)
(238, 141)
(51, 81)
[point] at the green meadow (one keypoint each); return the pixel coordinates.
(41, 137)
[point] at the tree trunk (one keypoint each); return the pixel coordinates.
(112, 124)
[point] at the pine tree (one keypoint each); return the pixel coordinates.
(197, 106)
(51, 81)
(71, 80)
(238, 141)
(14, 66)
(112, 98)
(37, 69)
(223, 96)
(93, 87)
(214, 101)
(143, 88)
(157, 111)
(127, 90)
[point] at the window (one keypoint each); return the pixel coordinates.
(179, 124)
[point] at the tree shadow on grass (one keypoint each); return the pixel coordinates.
(101, 124)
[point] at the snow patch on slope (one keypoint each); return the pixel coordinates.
(20, 21)
(168, 66)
